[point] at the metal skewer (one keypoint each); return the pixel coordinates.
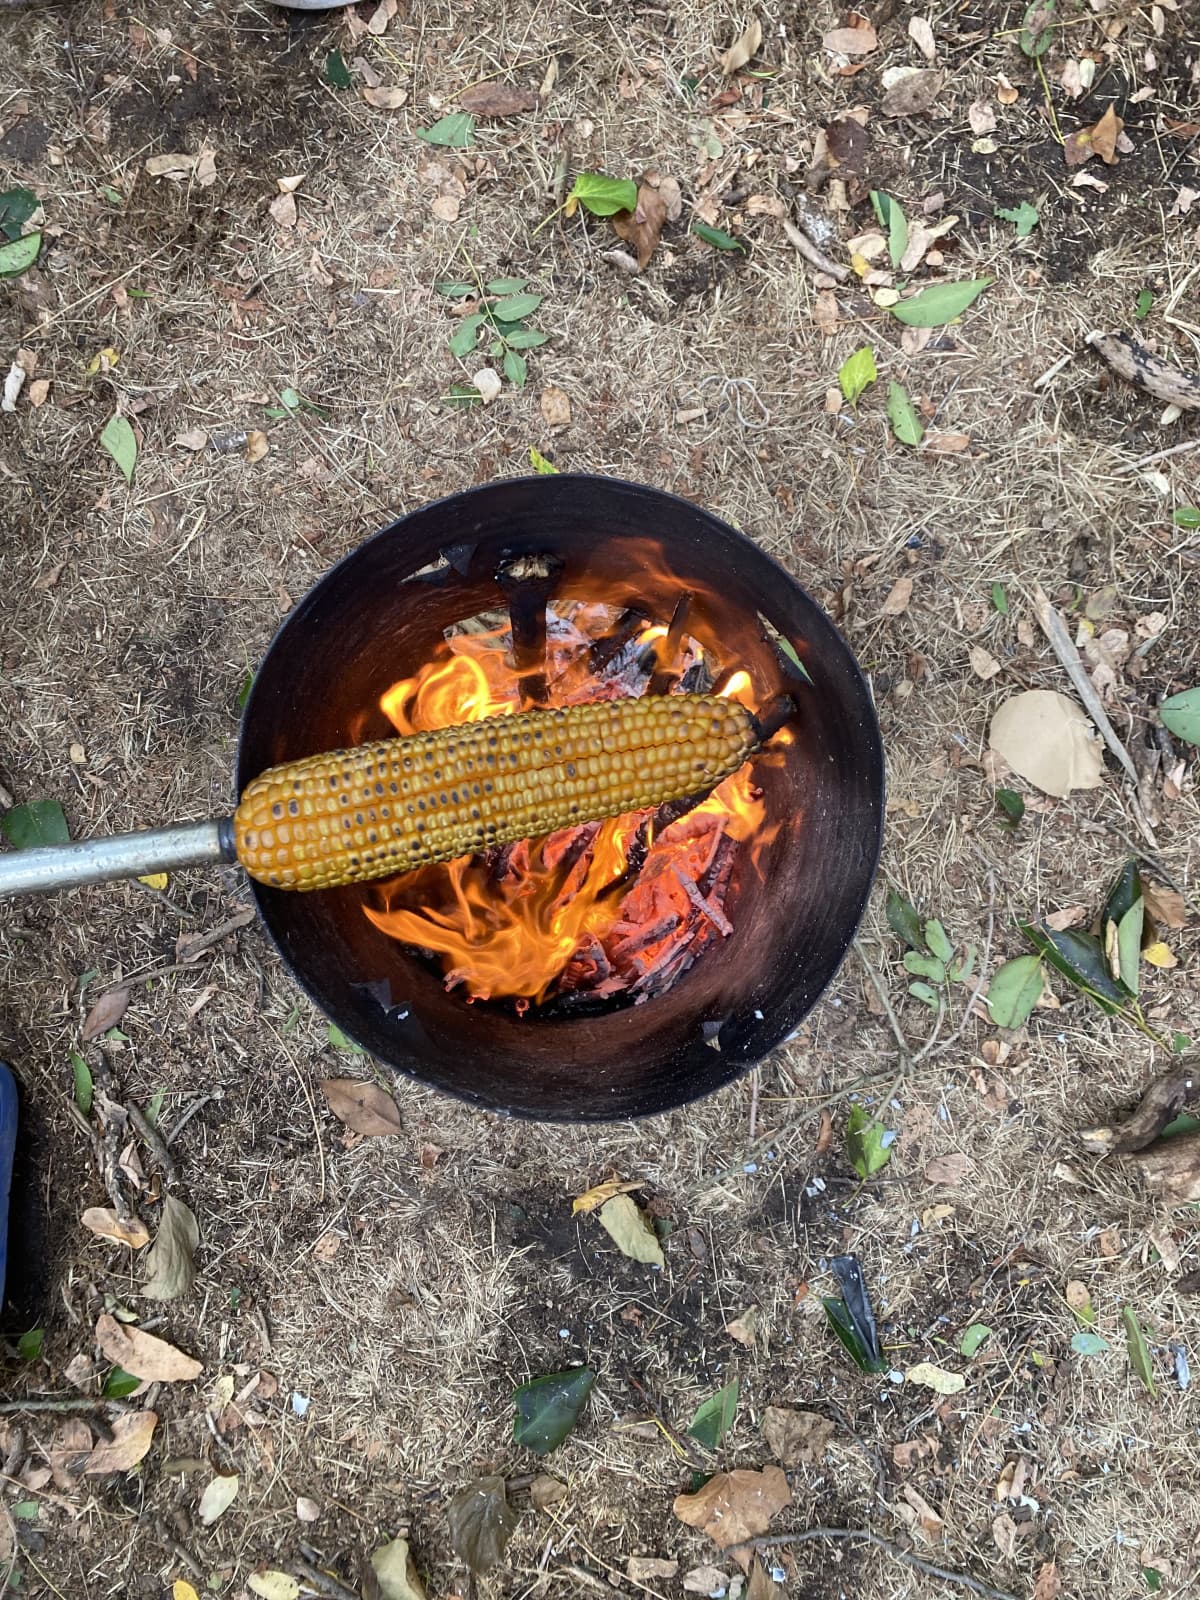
(124, 855)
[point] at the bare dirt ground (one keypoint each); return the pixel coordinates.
(394, 1290)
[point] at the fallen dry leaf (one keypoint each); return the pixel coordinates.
(1048, 1584)
(367, 1108)
(913, 94)
(983, 664)
(946, 444)
(738, 54)
(193, 439)
(847, 145)
(105, 1222)
(631, 1232)
(307, 1510)
(1004, 1534)
(920, 1515)
(395, 1573)
(796, 1438)
(642, 227)
(859, 39)
(177, 167)
(643, 1569)
(488, 381)
(384, 97)
(446, 207)
(920, 31)
(170, 1270)
(257, 444)
(555, 405)
(1068, 917)
(744, 1328)
(950, 1169)
(735, 1506)
(1078, 1296)
(144, 1354)
(936, 1378)
(105, 1014)
(219, 1494)
(206, 168)
(825, 313)
(270, 1584)
(981, 117)
(68, 1451)
(497, 100)
(131, 1436)
(546, 1491)
(283, 209)
(1047, 740)
(39, 392)
(1160, 955)
(593, 1199)
(706, 1580)
(1098, 140)
(898, 597)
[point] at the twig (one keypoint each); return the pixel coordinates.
(77, 1403)
(153, 1141)
(885, 1000)
(865, 1536)
(1159, 455)
(322, 1582)
(197, 1104)
(1052, 372)
(1055, 629)
(754, 1090)
(812, 253)
(180, 1551)
(686, 1450)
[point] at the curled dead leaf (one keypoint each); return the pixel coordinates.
(951, 1169)
(936, 1378)
(630, 1230)
(170, 1270)
(593, 1199)
(367, 1108)
(497, 100)
(914, 94)
(642, 227)
(384, 97)
(744, 1328)
(735, 1506)
(983, 664)
(859, 39)
(555, 406)
(104, 1221)
(796, 1438)
(283, 209)
(1165, 907)
(743, 50)
(898, 597)
(132, 1433)
(257, 444)
(144, 1354)
(177, 167)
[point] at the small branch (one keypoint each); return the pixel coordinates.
(1159, 455)
(885, 999)
(812, 253)
(77, 1403)
(322, 1582)
(153, 1141)
(180, 1551)
(865, 1536)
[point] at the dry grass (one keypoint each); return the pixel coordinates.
(452, 1281)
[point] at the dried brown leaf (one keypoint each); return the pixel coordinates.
(914, 94)
(555, 406)
(384, 97)
(898, 597)
(1068, 917)
(643, 226)
(257, 443)
(104, 1221)
(1047, 739)
(796, 1438)
(645, 1569)
(593, 1199)
(857, 40)
(497, 100)
(744, 1328)
(745, 48)
(951, 1169)
(1165, 907)
(1048, 1584)
(170, 1270)
(1171, 1168)
(144, 1354)
(922, 1518)
(283, 208)
(983, 664)
(735, 1506)
(630, 1230)
(39, 392)
(367, 1108)
(946, 444)
(105, 1014)
(177, 167)
(546, 1491)
(132, 1433)
(193, 439)
(847, 145)
(920, 31)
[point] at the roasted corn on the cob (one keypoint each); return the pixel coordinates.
(352, 815)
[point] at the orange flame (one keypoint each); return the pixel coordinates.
(556, 909)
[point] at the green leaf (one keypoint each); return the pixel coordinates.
(526, 339)
(891, 216)
(16, 208)
(1142, 308)
(481, 1522)
(937, 940)
(1025, 217)
(120, 443)
(19, 255)
(906, 424)
(717, 237)
(466, 335)
(1011, 804)
(83, 1083)
(548, 1408)
(37, 822)
(903, 919)
(601, 195)
(842, 1324)
(1080, 958)
(940, 303)
(1186, 516)
(1000, 599)
(506, 285)
(516, 307)
(29, 1345)
(457, 131)
(972, 1339)
(865, 1146)
(923, 966)
(1139, 1353)
(339, 1041)
(1087, 1343)
(714, 1416)
(1129, 945)
(1153, 1579)
(454, 291)
(243, 693)
(1181, 715)
(1036, 36)
(1181, 1124)
(154, 1109)
(1014, 991)
(515, 368)
(119, 1383)
(463, 394)
(922, 992)
(539, 463)
(1125, 890)
(789, 651)
(961, 971)
(857, 372)
(337, 72)
(1181, 1043)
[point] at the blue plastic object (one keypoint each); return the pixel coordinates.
(8, 1144)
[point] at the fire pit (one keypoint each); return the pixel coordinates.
(614, 969)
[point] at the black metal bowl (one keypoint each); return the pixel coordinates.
(382, 611)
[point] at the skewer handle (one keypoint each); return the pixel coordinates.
(124, 855)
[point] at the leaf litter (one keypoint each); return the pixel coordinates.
(733, 1507)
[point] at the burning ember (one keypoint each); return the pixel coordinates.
(622, 907)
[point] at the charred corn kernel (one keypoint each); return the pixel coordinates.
(351, 815)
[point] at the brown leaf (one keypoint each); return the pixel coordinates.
(256, 440)
(847, 145)
(898, 598)
(1048, 1584)
(643, 226)
(105, 1014)
(592, 1199)
(384, 98)
(761, 1587)
(914, 94)
(497, 100)
(920, 31)
(946, 444)
(951, 1169)
(705, 1580)
(70, 1446)
(643, 1569)
(193, 439)
(170, 1270)
(39, 392)
(1105, 135)
(178, 167)
(131, 1436)
(446, 207)
(1047, 739)
(744, 1328)
(546, 1491)
(738, 54)
(921, 1518)
(859, 39)
(1004, 1533)
(983, 663)
(1161, 1102)
(1166, 907)
(1171, 1168)
(367, 1108)
(735, 1506)
(1068, 917)
(556, 406)
(143, 1354)
(283, 208)
(796, 1438)
(104, 1221)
